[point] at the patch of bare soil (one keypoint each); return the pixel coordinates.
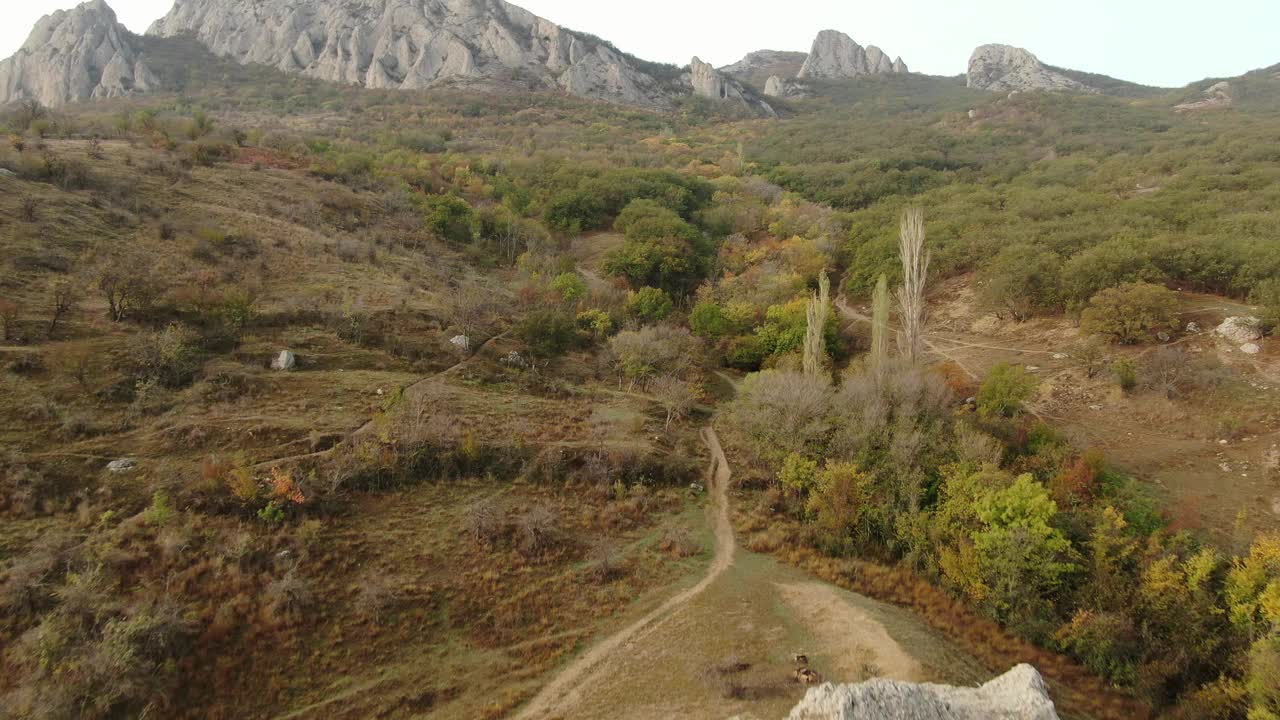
(857, 643)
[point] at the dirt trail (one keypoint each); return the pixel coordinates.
(565, 689)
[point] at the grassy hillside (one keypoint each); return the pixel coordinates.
(510, 311)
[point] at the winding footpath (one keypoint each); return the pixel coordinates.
(565, 690)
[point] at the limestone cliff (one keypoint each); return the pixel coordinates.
(1004, 68)
(414, 44)
(75, 55)
(835, 55)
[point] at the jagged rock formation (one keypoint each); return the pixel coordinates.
(711, 83)
(1019, 694)
(414, 44)
(836, 55)
(1216, 96)
(1005, 68)
(757, 67)
(75, 55)
(779, 87)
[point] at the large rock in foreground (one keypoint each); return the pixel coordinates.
(1005, 68)
(75, 55)
(835, 55)
(414, 44)
(1019, 694)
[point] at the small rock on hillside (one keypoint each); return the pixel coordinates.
(1004, 68)
(1019, 694)
(1215, 96)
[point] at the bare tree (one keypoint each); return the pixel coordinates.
(676, 396)
(64, 302)
(470, 310)
(816, 314)
(915, 271)
(127, 287)
(880, 325)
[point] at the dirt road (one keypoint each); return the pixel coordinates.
(565, 689)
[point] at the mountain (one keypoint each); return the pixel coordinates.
(1004, 68)
(835, 55)
(75, 55)
(757, 67)
(417, 44)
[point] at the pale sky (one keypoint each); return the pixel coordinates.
(1155, 42)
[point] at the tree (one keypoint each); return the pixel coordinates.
(570, 285)
(815, 328)
(708, 320)
(649, 305)
(470, 310)
(64, 301)
(548, 332)
(661, 250)
(1024, 281)
(845, 507)
(1021, 558)
(653, 350)
(127, 287)
(880, 324)
(1004, 390)
(677, 397)
(915, 271)
(450, 218)
(1131, 313)
(782, 413)
(1267, 295)
(8, 318)
(798, 473)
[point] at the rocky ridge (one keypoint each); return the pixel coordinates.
(711, 83)
(1019, 694)
(1005, 68)
(757, 67)
(75, 55)
(835, 55)
(414, 44)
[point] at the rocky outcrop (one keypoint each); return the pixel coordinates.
(1019, 694)
(711, 83)
(414, 44)
(835, 55)
(1004, 68)
(1216, 96)
(780, 87)
(75, 55)
(757, 67)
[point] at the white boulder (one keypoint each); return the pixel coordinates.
(1240, 330)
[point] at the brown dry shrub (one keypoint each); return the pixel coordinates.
(679, 542)
(539, 531)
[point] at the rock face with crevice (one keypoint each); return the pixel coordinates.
(75, 55)
(1005, 68)
(711, 83)
(415, 44)
(1019, 694)
(835, 55)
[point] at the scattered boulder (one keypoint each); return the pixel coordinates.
(6, 172)
(121, 466)
(1251, 348)
(1019, 694)
(1240, 330)
(286, 360)
(462, 342)
(1193, 327)
(1003, 68)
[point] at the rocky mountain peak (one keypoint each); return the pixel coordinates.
(835, 55)
(1005, 68)
(415, 44)
(75, 55)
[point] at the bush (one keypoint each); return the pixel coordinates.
(649, 305)
(598, 323)
(1131, 313)
(640, 355)
(798, 473)
(450, 218)
(1024, 281)
(1126, 372)
(170, 357)
(570, 286)
(1267, 295)
(1004, 391)
(548, 332)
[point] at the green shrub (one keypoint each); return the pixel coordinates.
(708, 320)
(450, 218)
(570, 285)
(598, 323)
(649, 305)
(1126, 372)
(1267, 295)
(548, 332)
(1005, 389)
(798, 473)
(1131, 313)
